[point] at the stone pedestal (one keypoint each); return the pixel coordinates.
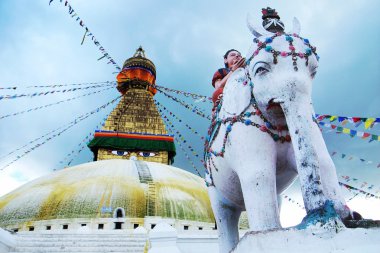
(7, 241)
(311, 241)
(163, 239)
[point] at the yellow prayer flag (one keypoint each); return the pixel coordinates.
(368, 122)
(332, 118)
(346, 130)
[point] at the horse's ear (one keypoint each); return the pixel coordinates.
(257, 31)
(236, 94)
(296, 26)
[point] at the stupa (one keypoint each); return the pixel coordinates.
(130, 183)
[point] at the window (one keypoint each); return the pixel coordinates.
(100, 226)
(119, 213)
(15, 230)
(48, 227)
(186, 227)
(31, 228)
(200, 228)
(83, 225)
(65, 226)
(118, 225)
(152, 226)
(135, 225)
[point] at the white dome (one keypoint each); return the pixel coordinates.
(85, 191)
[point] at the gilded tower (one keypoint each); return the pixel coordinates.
(134, 129)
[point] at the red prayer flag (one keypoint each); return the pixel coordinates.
(365, 135)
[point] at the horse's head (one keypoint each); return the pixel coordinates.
(282, 67)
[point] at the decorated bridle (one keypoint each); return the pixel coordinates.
(265, 45)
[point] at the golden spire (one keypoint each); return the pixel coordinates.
(135, 129)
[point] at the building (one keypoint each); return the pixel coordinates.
(131, 183)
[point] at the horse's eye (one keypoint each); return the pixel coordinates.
(261, 71)
(119, 152)
(147, 154)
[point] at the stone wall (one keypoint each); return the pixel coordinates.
(7, 241)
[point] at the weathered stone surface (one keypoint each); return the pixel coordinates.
(315, 240)
(366, 223)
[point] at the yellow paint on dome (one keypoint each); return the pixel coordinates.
(183, 200)
(82, 192)
(8, 198)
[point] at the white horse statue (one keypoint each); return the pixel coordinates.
(264, 134)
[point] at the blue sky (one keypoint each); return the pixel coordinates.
(40, 45)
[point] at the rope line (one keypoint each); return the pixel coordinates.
(71, 124)
(349, 187)
(169, 126)
(194, 96)
(163, 108)
(350, 132)
(88, 33)
(357, 121)
(75, 152)
(69, 84)
(56, 103)
(335, 154)
(31, 95)
(187, 106)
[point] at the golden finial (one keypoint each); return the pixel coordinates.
(140, 52)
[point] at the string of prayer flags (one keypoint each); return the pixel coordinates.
(171, 130)
(71, 124)
(352, 133)
(56, 85)
(44, 93)
(199, 98)
(88, 33)
(161, 108)
(8, 88)
(194, 109)
(185, 154)
(56, 103)
(75, 152)
(362, 184)
(293, 201)
(367, 194)
(357, 121)
(351, 157)
(70, 84)
(32, 141)
(180, 136)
